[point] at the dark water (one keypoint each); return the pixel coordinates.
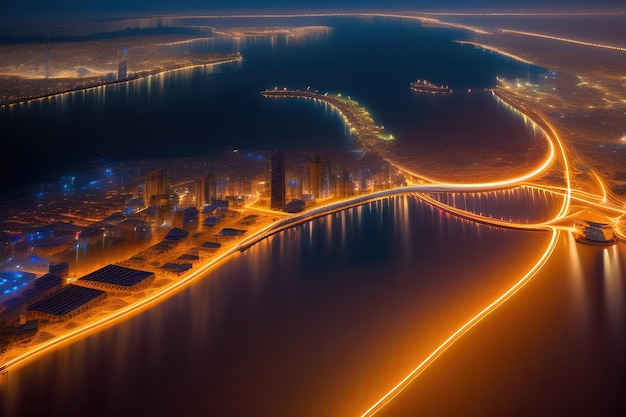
(517, 205)
(558, 348)
(320, 320)
(200, 111)
(315, 321)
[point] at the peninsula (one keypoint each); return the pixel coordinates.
(30, 71)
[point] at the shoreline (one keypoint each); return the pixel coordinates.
(131, 78)
(104, 320)
(497, 51)
(145, 301)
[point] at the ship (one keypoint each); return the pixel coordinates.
(423, 86)
(593, 233)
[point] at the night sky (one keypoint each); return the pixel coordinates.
(25, 8)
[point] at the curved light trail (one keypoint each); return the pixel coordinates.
(554, 142)
(458, 334)
(556, 151)
(352, 120)
(567, 40)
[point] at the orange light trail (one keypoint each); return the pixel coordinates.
(556, 149)
(604, 193)
(458, 334)
(560, 39)
(496, 50)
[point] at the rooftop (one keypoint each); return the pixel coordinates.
(117, 275)
(65, 301)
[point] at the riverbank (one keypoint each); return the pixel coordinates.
(258, 225)
(30, 88)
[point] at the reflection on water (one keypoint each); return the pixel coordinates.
(317, 320)
(556, 348)
(613, 286)
(213, 110)
(125, 95)
(515, 205)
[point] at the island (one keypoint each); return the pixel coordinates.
(424, 86)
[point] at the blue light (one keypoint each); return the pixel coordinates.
(108, 171)
(259, 157)
(6, 291)
(15, 288)
(249, 155)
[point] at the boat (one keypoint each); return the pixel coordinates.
(593, 233)
(423, 86)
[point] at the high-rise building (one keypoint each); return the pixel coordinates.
(156, 184)
(315, 175)
(326, 179)
(200, 192)
(277, 175)
(48, 57)
(122, 69)
(344, 185)
(210, 184)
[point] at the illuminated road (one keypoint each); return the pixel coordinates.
(566, 192)
(565, 217)
(366, 130)
(562, 221)
(567, 40)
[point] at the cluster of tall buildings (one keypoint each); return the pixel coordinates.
(277, 180)
(302, 177)
(312, 179)
(205, 190)
(155, 188)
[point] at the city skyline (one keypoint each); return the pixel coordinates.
(350, 214)
(41, 8)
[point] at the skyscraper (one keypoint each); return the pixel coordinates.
(156, 184)
(200, 192)
(122, 69)
(326, 187)
(277, 176)
(315, 173)
(210, 184)
(48, 57)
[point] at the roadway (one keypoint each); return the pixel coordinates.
(557, 151)
(561, 221)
